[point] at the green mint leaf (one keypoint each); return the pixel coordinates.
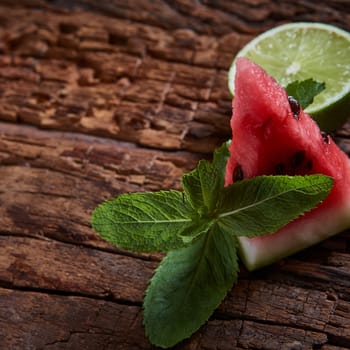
(263, 204)
(212, 176)
(188, 286)
(191, 184)
(202, 186)
(305, 91)
(199, 227)
(144, 222)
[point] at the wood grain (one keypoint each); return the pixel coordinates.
(102, 98)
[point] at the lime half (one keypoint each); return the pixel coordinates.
(303, 50)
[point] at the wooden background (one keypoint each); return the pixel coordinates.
(98, 98)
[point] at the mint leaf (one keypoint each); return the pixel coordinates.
(263, 204)
(199, 226)
(305, 91)
(192, 187)
(212, 177)
(144, 222)
(202, 185)
(188, 285)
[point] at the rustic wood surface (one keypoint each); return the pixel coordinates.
(98, 98)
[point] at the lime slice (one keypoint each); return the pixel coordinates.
(303, 50)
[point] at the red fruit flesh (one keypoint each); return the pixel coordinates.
(270, 136)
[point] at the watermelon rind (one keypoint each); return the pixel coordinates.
(297, 237)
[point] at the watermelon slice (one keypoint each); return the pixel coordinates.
(272, 135)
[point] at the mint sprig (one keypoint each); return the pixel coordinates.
(305, 91)
(199, 229)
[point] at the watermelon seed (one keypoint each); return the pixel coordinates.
(309, 165)
(325, 137)
(298, 159)
(295, 106)
(280, 168)
(238, 173)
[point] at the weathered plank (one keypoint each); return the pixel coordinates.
(88, 78)
(271, 306)
(52, 181)
(76, 322)
(41, 321)
(83, 72)
(45, 265)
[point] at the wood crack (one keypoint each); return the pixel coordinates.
(107, 297)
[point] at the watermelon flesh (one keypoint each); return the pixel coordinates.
(271, 135)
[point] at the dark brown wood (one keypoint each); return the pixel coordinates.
(102, 98)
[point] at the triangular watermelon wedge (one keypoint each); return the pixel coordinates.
(272, 135)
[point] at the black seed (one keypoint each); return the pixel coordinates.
(280, 168)
(325, 137)
(309, 165)
(295, 106)
(237, 173)
(298, 159)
